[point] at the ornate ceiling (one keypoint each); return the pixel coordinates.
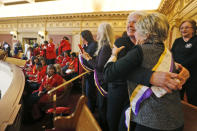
(17, 8)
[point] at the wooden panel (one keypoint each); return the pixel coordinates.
(86, 121)
(15, 61)
(190, 117)
(10, 102)
(7, 38)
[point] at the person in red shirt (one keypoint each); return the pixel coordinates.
(32, 70)
(72, 69)
(66, 59)
(59, 59)
(44, 65)
(51, 80)
(28, 65)
(35, 82)
(64, 46)
(50, 52)
(65, 63)
(32, 83)
(74, 63)
(43, 48)
(36, 50)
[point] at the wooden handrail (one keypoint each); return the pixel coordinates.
(66, 83)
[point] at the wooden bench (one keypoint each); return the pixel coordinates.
(190, 117)
(81, 120)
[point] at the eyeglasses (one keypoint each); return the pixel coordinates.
(182, 28)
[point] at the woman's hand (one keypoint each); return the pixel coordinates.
(116, 50)
(166, 80)
(183, 73)
(86, 56)
(39, 93)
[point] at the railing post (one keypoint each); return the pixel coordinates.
(54, 104)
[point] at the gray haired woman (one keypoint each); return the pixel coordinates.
(152, 108)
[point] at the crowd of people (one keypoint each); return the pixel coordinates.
(136, 82)
(44, 70)
(135, 76)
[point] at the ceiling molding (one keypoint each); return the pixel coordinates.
(177, 10)
(76, 16)
(67, 17)
(189, 9)
(166, 6)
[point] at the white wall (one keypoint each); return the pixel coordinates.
(75, 42)
(6, 77)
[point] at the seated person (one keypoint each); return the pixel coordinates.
(72, 69)
(41, 72)
(59, 59)
(32, 69)
(58, 68)
(66, 59)
(65, 62)
(44, 64)
(51, 80)
(35, 81)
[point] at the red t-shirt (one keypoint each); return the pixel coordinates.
(64, 46)
(50, 51)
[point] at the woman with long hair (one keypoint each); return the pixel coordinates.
(105, 37)
(90, 47)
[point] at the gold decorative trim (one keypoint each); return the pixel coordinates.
(76, 16)
(166, 6)
(189, 10)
